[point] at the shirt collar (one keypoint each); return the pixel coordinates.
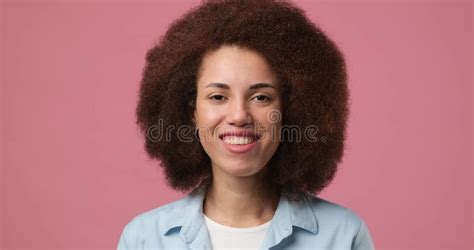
(290, 214)
(302, 214)
(189, 217)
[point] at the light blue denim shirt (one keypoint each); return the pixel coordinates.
(311, 223)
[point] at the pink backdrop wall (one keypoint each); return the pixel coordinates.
(74, 172)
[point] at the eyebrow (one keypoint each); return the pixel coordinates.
(254, 86)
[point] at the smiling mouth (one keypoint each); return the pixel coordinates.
(239, 144)
(239, 140)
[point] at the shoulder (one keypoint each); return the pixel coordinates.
(333, 217)
(153, 221)
(328, 211)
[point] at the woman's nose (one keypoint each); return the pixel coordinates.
(238, 114)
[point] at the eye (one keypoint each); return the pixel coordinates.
(262, 98)
(217, 98)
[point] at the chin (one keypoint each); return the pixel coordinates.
(240, 169)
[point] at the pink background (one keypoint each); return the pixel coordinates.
(73, 168)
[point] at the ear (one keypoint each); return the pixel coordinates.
(194, 118)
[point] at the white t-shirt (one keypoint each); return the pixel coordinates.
(225, 237)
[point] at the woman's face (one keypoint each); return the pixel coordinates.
(238, 110)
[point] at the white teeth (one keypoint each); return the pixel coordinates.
(238, 140)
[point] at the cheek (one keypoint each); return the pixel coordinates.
(203, 113)
(209, 118)
(270, 118)
(272, 124)
(207, 121)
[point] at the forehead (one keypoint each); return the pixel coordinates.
(235, 65)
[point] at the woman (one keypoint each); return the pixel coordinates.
(245, 103)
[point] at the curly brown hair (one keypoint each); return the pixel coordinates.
(308, 64)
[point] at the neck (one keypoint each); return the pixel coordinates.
(240, 201)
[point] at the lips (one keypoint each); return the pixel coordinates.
(239, 134)
(239, 148)
(238, 140)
